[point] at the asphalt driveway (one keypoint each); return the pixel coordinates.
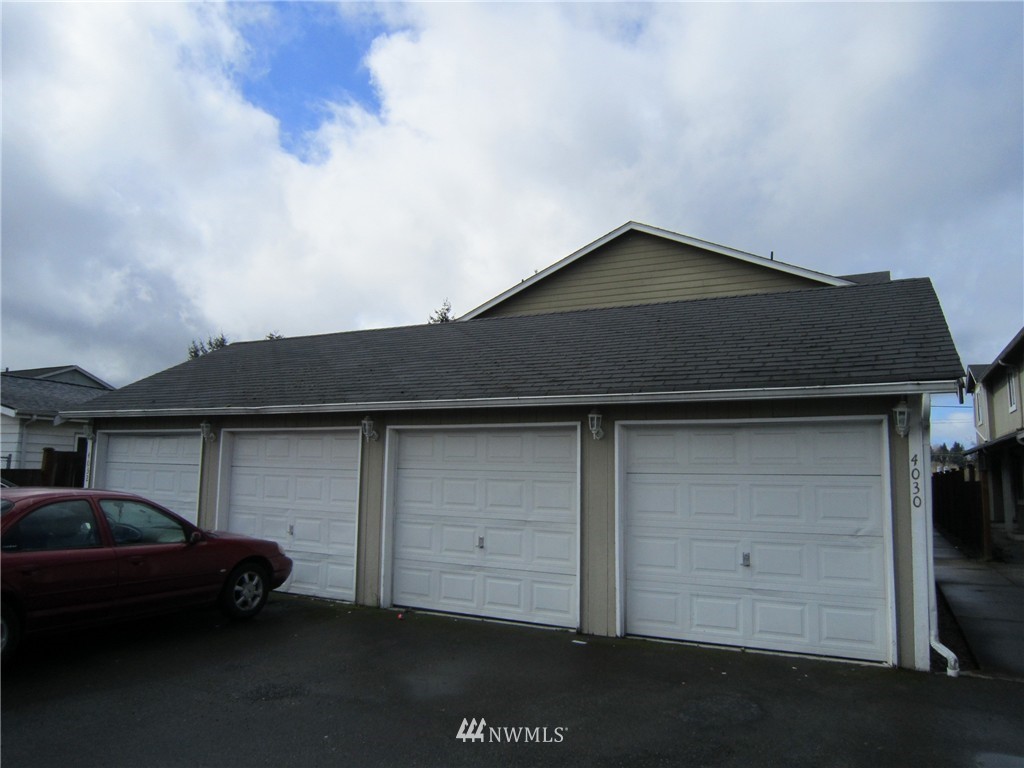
(311, 683)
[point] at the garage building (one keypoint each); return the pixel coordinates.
(656, 436)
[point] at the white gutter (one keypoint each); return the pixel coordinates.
(587, 400)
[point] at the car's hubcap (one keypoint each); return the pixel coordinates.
(248, 591)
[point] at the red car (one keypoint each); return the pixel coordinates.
(73, 556)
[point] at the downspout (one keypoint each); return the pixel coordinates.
(23, 440)
(952, 662)
(90, 451)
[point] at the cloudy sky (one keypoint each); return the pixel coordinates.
(176, 170)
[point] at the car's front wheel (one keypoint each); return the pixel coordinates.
(245, 591)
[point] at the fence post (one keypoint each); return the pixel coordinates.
(49, 467)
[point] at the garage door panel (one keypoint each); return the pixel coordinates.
(161, 467)
(826, 504)
(273, 526)
(314, 450)
(496, 451)
(654, 611)
(486, 523)
(300, 489)
(843, 626)
(717, 617)
(855, 565)
(155, 449)
(491, 593)
(312, 575)
(549, 549)
(848, 565)
(768, 536)
(847, 628)
(778, 622)
(515, 496)
(761, 450)
(781, 562)
(716, 558)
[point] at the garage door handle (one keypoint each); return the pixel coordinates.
(746, 559)
(480, 543)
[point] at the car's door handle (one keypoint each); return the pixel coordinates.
(136, 560)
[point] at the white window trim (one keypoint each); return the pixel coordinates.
(979, 407)
(1012, 385)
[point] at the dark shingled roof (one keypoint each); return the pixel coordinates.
(832, 336)
(42, 397)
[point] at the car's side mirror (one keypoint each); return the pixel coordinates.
(196, 537)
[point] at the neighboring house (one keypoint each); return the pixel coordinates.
(68, 374)
(30, 401)
(999, 423)
(657, 436)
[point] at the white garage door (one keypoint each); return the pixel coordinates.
(763, 536)
(485, 523)
(161, 467)
(301, 490)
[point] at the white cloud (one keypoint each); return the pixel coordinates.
(146, 203)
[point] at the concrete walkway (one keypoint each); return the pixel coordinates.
(987, 599)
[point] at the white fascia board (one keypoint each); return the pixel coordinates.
(750, 258)
(642, 398)
(8, 411)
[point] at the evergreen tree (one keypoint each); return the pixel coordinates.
(442, 315)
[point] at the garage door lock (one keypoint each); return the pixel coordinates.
(480, 542)
(746, 559)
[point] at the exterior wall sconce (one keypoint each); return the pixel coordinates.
(369, 433)
(594, 419)
(88, 432)
(207, 430)
(901, 413)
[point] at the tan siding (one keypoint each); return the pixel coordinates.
(371, 519)
(598, 576)
(902, 544)
(1003, 421)
(641, 269)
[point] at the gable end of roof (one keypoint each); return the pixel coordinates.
(633, 226)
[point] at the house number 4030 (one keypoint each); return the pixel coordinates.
(916, 493)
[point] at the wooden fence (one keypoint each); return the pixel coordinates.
(60, 469)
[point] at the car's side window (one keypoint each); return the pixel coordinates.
(132, 522)
(62, 525)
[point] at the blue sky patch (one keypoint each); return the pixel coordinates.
(308, 54)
